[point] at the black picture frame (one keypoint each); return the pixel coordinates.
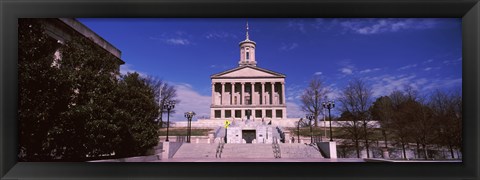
(468, 10)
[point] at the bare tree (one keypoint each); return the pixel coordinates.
(447, 111)
(422, 124)
(164, 92)
(400, 121)
(356, 101)
(382, 110)
(313, 97)
(351, 131)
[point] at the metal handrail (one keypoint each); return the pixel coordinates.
(276, 148)
(218, 154)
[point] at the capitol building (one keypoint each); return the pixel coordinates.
(248, 91)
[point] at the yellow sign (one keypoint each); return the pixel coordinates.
(227, 123)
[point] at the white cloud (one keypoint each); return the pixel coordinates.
(431, 68)
(381, 25)
(346, 71)
(176, 38)
(427, 61)
(408, 67)
(318, 73)
(127, 68)
(298, 25)
(453, 61)
(333, 92)
(220, 35)
(294, 92)
(369, 70)
(294, 110)
(288, 47)
(442, 83)
(190, 100)
(177, 41)
(384, 85)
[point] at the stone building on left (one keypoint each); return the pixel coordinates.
(63, 29)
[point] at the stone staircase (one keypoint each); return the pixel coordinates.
(297, 150)
(192, 150)
(246, 151)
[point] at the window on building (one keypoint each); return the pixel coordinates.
(248, 100)
(238, 113)
(279, 114)
(268, 113)
(217, 113)
(248, 55)
(235, 100)
(258, 113)
(228, 113)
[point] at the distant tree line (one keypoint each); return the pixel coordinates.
(78, 106)
(405, 118)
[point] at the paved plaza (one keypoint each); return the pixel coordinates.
(259, 160)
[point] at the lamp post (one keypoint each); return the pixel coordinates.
(324, 124)
(169, 105)
(189, 116)
(298, 130)
(310, 118)
(329, 105)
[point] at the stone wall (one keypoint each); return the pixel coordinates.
(290, 122)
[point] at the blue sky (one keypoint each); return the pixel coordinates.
(388, 54)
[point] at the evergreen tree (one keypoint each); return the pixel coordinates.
(40, 90)
(139, 111)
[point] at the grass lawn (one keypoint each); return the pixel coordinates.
(336, 131)
(183, 132)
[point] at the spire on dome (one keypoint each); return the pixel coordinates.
(247, 30)
(247, 50)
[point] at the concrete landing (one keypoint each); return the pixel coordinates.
(248, 151)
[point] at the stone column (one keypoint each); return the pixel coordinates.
(241, 94)
(222, 95)
(212, 113)
(253, 113)
(272, 94)
(261, 94)
(274, 114)
(213, 93)
(264, 113)
(252, 92)
(283, 93)
(232, 90)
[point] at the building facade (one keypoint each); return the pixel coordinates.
(63, 29)
(248, 91)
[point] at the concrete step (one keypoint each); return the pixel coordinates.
(299, 151)
(190, 150)
(247, 151)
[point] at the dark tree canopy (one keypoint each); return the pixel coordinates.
(79, 107)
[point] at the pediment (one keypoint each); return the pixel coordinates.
(247, 71)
